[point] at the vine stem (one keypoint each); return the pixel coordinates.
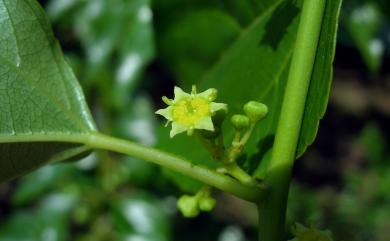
(251, 193)
(272, 212)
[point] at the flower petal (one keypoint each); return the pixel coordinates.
(177, 128)
(179, 94)
(217, 106)
(167, 113)
(210, 94)
(205, 124)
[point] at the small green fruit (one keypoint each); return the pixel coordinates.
(188, 206)
(240, 122)
(255, 110)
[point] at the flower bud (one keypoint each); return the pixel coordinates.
(240, 122)
(207, 204)
(255, 110)
(188, 206)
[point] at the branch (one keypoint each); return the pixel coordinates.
(252, 193)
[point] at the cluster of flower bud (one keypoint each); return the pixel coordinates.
(190, 206)
(254, 112)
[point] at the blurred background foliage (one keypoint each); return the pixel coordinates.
(125, 54)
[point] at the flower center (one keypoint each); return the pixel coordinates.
(189, 111)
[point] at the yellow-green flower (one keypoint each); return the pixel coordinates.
(191, 111)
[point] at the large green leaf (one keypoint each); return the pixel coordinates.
(322, 75)
(204, 51)
(254, 66)
(40, 99)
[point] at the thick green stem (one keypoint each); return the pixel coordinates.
(272, 212)
(203, 174)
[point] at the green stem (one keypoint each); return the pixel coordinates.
(228, 161)
(96, 140)
(247, 134)
(203, 174)
(272, 212)
(238, 144)
(235, 171)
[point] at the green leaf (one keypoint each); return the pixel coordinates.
(322, 76)
(254, 66)
(40, 98)
(204, 51)
(194, 38)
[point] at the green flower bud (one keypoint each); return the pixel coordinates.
(255, 110)
(188, 206)
(240, 122)
(207, 204)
